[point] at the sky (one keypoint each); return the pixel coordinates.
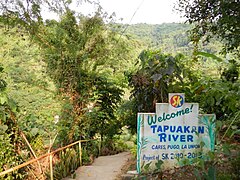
(135, 11)
(139, 11)
(147, 11)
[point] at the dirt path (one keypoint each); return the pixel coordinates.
(103, 168)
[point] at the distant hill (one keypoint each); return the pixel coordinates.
(158, 31)
(170, 37)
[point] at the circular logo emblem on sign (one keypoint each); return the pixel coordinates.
(176, 101)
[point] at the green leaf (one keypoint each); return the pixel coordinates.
(202, 144)
(12, 105)
(34, 131)
(159, 164)
(219, 124)
(211, 173)
(3, 128)
(3, 99)
(235, 132)
(211, 101)
(226, 149)
(197, 174)
(205, 54)
(146, 167)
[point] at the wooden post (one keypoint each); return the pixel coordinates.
(32, 151)
(99, 147)
(51, 166)
(80, 152)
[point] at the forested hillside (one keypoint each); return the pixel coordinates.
(81, 78)
(28, 83)
(169, 37)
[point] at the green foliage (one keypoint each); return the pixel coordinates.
(75, 50)
(159, 35)
(127, 112)
(231, 73)
(208, 174)
(209, 56)
(9, 157)
(152, 81)
(120, 143)
(29, 86)
(125, 141)
(68, 162)
(219, 97)
(93, 148)
(220, 163)
(235, 162)
(157, 75)
(171, 38)
(218, 94)
(87, 59)
(233, 124)
(10, 142)
(214, 18)
(78, 56)
(108, 99)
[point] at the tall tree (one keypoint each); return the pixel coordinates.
(214, 18)
(77, 50)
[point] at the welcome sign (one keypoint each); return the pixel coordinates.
(174, 133)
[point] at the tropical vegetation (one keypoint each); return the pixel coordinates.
(85, 77)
